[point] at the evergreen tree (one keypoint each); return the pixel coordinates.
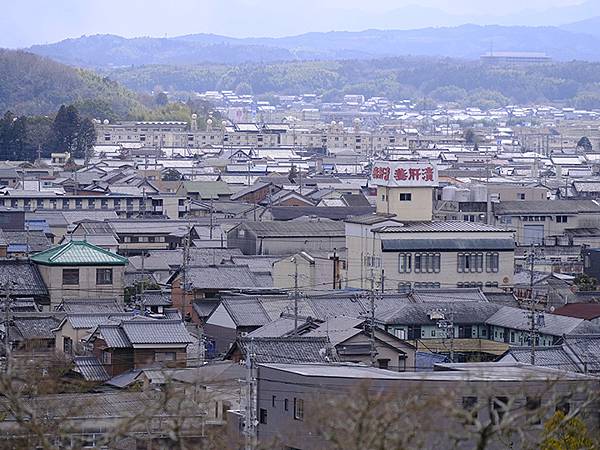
(86, 138)
(65, 128)
(585, 144)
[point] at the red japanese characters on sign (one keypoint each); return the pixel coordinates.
(404, 174)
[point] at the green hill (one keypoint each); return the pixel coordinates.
(34, 85)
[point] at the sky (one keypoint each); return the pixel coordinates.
(27, 22)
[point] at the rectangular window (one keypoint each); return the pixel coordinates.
(106, 358)
(492, 262)
(285, 404)
(561, 219)
(67, 345)
(418, 262)
(70, 277)
(405, 197)
(262, 416)
(404, 262)
(498, 407)
(164, 356)
(470, 404)
(104, 276)
(298, 409)
(273, 400)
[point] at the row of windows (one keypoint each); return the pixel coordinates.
(136, 239)
(70, 277)
(559, 219)
(474, 262)
(298, 409)
(403, 197)
(431, 262)
(66, 203)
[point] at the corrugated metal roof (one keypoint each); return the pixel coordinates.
(447, 226)
(546, 207)
(82, 253)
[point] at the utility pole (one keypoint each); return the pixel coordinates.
(372, 318)
(211, 221)
(295, 296)
(7, 320)
(535, 318)
(250, 421)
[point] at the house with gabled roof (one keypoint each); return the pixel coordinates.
(81, 270)
(140, 343)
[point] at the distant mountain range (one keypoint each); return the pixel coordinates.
(579, 41)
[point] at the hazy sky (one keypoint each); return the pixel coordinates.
(27, 22)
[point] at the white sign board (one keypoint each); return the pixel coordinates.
(404, 174)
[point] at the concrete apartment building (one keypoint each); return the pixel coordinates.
(182, 135)
(537, 222)
(428, 255)
(295, 399)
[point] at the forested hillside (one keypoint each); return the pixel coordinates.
(466, 83)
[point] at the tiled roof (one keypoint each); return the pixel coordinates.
(34, 241)
(35, 327)
(333, 213)
(90, 368)
(468, 312)
(156, 298)
(295, 229)
(92, 320)
(586, 348)
(114, 336)
(87, 305)
(78, 253)
(24, 276)
(555, 357)
(288, 349)
(221, 277)
(156, 332)
(554, 325)
(587, 311)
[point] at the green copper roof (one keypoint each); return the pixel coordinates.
(78, 253)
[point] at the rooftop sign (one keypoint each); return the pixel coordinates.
(404, 174)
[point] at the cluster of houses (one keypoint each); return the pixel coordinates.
(300, 270)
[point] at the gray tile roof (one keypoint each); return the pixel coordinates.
(156, 298)
(139, 331)
(555, 357)
(92, 320)
(221, 277)
(334, 213)
(448, 295)
(546, 207)
(24, 276)
(208, 256)
(87, 305)
(113, 335)
(204, 307)
(555, 325)
(90, 368)
(586, 350)
(287, 350)
(277, 328)
(37, 327)
(296, 229)
(468, 312)
(36, 241)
